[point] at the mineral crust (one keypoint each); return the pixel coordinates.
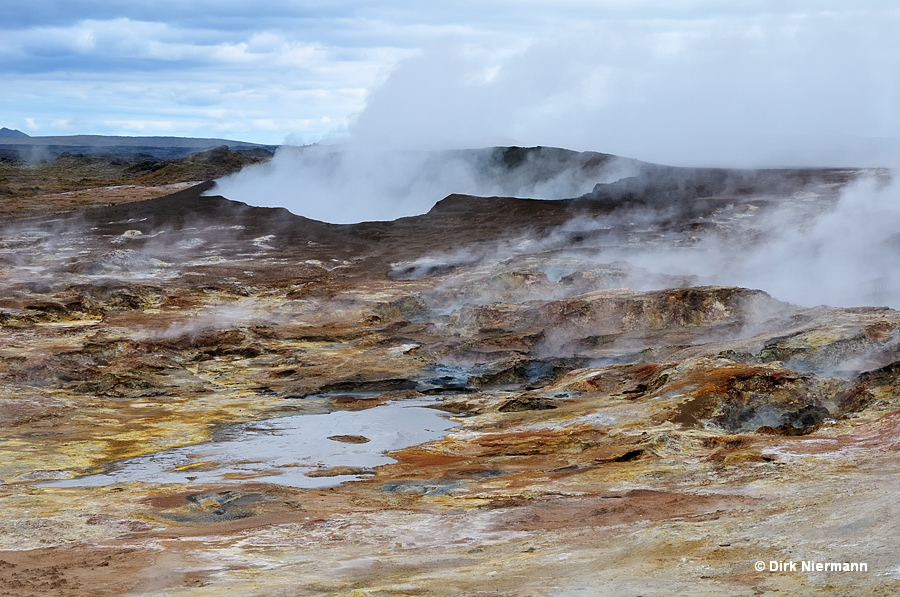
(611, 430)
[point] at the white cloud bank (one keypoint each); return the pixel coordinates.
(748, 88)
(646, 78)
(771, 89)
(738, 88)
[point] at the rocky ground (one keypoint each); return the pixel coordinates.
(612, 430)
(64, 181)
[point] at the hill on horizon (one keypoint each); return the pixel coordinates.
(7, 133)
(40, 148)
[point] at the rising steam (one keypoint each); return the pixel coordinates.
(352, 183)
(776, 91)
(846, 257)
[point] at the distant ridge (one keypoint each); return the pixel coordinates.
(106, 141)
(6, 133)
(158, 147)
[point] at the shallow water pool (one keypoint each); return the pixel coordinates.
(283, 450)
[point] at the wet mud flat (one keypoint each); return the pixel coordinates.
(308, 451)
(586, 434)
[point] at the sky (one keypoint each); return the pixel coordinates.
(684, 82)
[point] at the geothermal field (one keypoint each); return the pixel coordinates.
(548, 373)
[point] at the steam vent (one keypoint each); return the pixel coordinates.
(501, 397)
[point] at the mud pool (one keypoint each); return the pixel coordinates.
(287, 450)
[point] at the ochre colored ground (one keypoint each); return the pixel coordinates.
(607, 441)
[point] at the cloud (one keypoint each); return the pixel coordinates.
(62, 125)
(112, 64)
(356, 182)
(845, 257)
(772, 89)
(647, 78)
(102, 45)
(190, 106)
(704, 86)
(104, 74)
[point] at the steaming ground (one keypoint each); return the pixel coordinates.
(807, 247)
(350, 184)
(604, 433)
(806, 236)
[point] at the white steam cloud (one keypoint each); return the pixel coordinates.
(772, 89)
(846, 254)
(849, 256)
(353, 183)
(805, 250)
